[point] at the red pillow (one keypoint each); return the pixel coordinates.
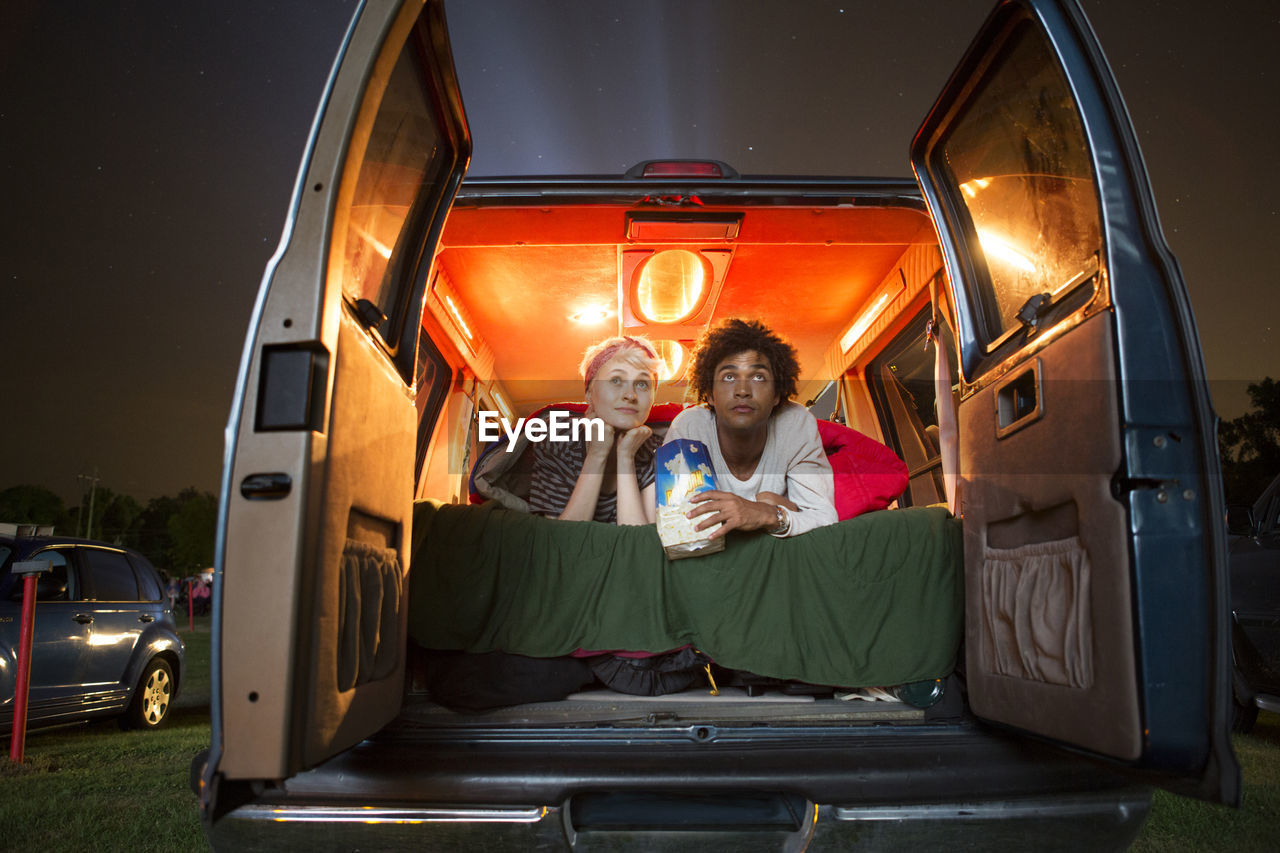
(868, 475)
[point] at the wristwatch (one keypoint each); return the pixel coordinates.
(784, 522)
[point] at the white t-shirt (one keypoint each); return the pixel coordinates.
(793, 463)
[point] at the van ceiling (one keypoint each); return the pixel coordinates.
(521, 271)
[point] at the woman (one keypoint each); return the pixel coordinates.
(606, 475)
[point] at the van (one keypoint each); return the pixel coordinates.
(1080, 642)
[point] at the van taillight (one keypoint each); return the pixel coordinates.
(683, 169)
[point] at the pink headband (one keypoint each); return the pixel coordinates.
(609, 352)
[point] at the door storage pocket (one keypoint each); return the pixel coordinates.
(1037, 621)
(368, 608)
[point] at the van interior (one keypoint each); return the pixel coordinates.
(519, 292)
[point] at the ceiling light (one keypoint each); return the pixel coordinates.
(669, 286)
(501, 403)
(871, 311)
(457, 316)
(671, 354)
(591, 316)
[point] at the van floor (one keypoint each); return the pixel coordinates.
(730, 704)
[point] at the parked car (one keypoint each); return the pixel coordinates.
(104, 639)
(1255, 606)
(1091, 595)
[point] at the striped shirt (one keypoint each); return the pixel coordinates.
(556, 465)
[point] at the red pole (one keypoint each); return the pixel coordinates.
(191, 610)
(18, 741)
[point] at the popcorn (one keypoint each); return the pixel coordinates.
(683, 469)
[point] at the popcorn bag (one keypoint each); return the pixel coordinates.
(683, 469)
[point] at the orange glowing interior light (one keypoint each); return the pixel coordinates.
(873, 309)
(671, 354)
(457, 316)
(670, 286)
(502, 404)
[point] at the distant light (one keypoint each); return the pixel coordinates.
(971, 187)
(997, 247)
(378, 246)
(591, 316)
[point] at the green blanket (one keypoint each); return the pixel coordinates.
(876, 600)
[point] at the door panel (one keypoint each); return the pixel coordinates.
(356, 624)
(318, 485)
(1094, 555)
(1046, 555)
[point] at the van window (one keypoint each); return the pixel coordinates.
(1020, 159)
(401, 155)
(826, 406)
(431, 384)
(901, 380)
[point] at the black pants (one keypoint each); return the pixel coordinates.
(466, 681)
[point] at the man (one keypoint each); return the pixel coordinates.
(769, 461)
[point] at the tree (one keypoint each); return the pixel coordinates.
(1250, 444)
(118, 518)
(153, 537)
(192, 529)
(34, 505)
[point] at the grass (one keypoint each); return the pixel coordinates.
(1177, 824)
(92, 787)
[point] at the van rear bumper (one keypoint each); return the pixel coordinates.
(1109, 820)
(701, 788)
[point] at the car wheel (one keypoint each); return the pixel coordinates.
(1242, 716)
(152, 698)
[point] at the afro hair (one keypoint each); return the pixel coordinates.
(732, 336)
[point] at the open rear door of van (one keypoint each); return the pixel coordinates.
(1095, 562)
(317, 497)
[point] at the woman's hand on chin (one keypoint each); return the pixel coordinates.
(631, 440)
(599, 443)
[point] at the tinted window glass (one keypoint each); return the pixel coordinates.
(902, 382)
(57, 584)
(1020, 161)
(148, 580)
(5, 580)
(110, 575)
(430, 387)
(1269, 518)
(399, 158)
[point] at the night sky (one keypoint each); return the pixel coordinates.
(150, 149)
